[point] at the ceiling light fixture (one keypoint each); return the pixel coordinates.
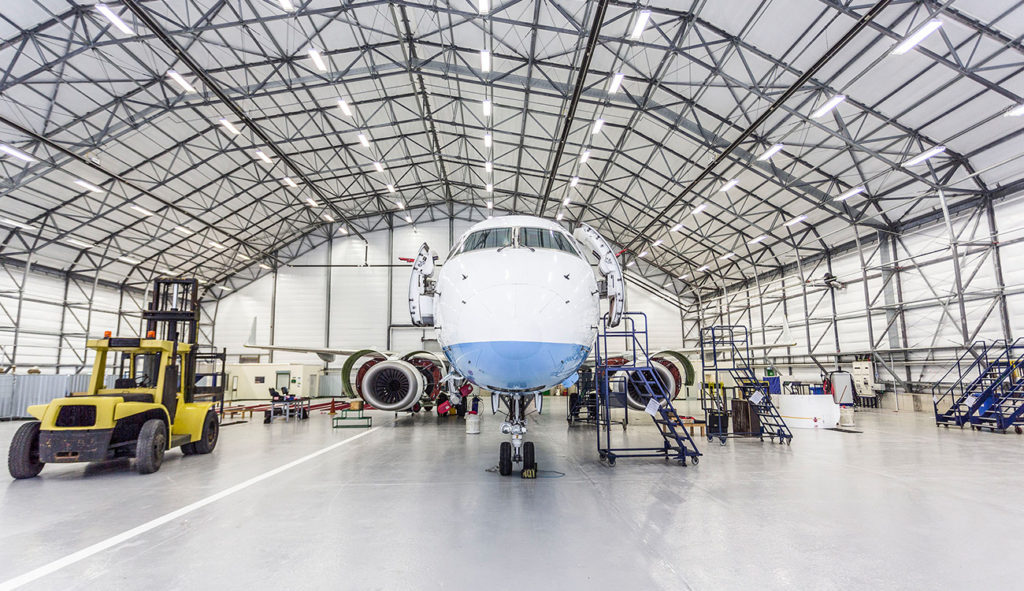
(391, 188)
(217, 245)
(485, 60)
(229, 126)
(78, 242)
(15, 224)
(487, 140)
(732, 183)
(318, 59)
(180, 81)
(850, 193)
(683, 276)
(567, 201)
(264, 266)
(489, 188)
(630, 263)
(287, 5)
(344, 107)
(262, 156)
(676, 227)
(114, 19)
(364, 141)
(378, 166)
(657, 242)
(699, 208)
(408, 219)
(88, 186)
(243, 256)
(310, 202)
(183, 230)
(828, 106)
(616, 82)
(486, 107)
(574, 181)
(597, 127)
(796, 220)
(483, 6)
(923, 156)
(1015, 112)
(728, 255)
(770, 152)
(16, 153)
(917, 37)
(559, 216)
(489, 166)
(142, 210)
(288, 181)
(327, 217)
(760, 238)
(641, 23)
(399, 205)
(128, 260)
(704, 268)
(643, 254)
(584, 156)
(343, 230)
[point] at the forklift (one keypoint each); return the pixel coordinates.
(150, 407)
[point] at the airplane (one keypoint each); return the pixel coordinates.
(515, 308)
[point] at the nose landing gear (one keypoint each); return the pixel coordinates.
(517, 450)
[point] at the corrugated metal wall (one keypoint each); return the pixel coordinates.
(18, 392)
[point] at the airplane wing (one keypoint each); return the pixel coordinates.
(327, 355)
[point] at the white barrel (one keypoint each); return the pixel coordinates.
(472, 424)
(846, 416)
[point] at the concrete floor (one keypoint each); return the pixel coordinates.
(410, 505)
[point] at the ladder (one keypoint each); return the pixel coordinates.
(677, 444)
(971, 387)
(726, 350)
(1002, 403)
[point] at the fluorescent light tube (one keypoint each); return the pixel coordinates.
(490, 205)
(485, 60)
(616, 82)
(183, 230)
(15, 224)
(408, 219)
(399, 205)
(378, 166)
(142, 210)
(924, 156)
(88, 186)
(180, 81)
(78, 242)
(243, 256)
(657, 242)
(310, 201)
(364, 141)
(486, 106)
(567, 201)
(641, 23)
(128, 260)
(487, 140)
(630, 263)
(217, 245)
(288, 181)
(676, 228)
(489, 188)
(850, 193)
(574, 181)
(729, 185)
(343, 230)
(828, 106)
(683, 276)
(771, 152)
(597, 127)
(559, 216)
(267, 267)
(699, 208)
(704, 268)
(483, 6)
(728, 255)
(489, 166)
(287, 5)
(262, 156)
(344, 107)
(760, 238)
(796, 220)
(584, 156)
(229, 126)
(1015, 112)
(114, 19)
(917, 37)
(643, 254)
(16, 153)
(318, 59)
(327, 217)
(391, 188)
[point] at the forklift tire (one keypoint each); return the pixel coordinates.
(149, 450)
(208, 439)
(23, 456)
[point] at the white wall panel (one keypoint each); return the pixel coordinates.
(236, 312)
(359, 312)
(301, 311)
(663, 320)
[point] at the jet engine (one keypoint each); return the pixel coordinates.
(394, 384)
(637, 397)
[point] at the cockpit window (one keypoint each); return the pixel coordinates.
(489, 238)
(541, 238)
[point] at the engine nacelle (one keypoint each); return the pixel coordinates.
(392, 385)
(637, 398)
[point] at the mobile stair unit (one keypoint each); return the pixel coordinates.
(611, 381)
(725, 350)
(984, 389)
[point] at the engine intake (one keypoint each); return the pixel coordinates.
(392, 385)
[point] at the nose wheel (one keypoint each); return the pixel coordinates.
(505, 458)
(528, 458)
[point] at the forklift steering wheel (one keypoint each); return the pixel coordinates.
(141, 381)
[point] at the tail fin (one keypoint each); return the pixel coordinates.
(252, 333)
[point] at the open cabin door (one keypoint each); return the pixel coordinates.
(608, 265)
(421, 287)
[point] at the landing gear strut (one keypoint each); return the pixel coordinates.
(515, 425)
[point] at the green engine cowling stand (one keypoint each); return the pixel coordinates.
(351, 419)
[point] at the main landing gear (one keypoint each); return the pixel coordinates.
(517, 450)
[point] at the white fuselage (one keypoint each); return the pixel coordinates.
(512, 317)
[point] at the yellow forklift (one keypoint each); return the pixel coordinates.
(148, 410)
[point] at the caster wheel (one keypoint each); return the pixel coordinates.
(505, 458)
(1018, 430)
(722, 443)
(682, 462)
(611, 461)
(603, 455)
(696, 461)
(789, 441)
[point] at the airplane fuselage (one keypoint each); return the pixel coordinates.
(517, 305)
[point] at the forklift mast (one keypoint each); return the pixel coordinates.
(173, 315)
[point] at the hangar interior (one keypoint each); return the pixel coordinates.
(841, 181)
